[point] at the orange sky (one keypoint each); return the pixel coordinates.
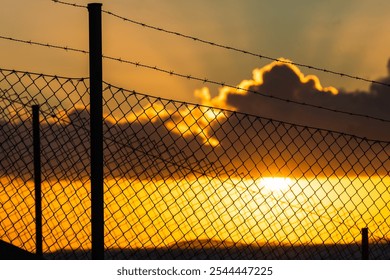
(343, 35)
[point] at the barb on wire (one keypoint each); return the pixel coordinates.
(65, 48)
(69, 4)
(260, 56)
(230, 48)
(203, 80)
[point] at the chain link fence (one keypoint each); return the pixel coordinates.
(64, 132)
(190, 181)
(185, 181)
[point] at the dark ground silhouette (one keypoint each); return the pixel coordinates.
(213, 250)
(11, 252)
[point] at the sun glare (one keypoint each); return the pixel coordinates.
(275, 183)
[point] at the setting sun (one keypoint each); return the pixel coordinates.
(275, 183)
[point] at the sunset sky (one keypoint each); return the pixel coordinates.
(344, 36)
(282, 159)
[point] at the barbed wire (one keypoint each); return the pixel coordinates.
(69, 4)
(230, 48)
(260, 56)
(195, 78)
(222, 84)
(43, 44)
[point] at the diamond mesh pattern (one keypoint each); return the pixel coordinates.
(189, 181)
(184, 180)
(64, 157)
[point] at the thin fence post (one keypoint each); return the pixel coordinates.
(365, 253)
(37, 180)
(96, 125)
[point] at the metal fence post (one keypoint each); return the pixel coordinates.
(96, 124)
(365, 253)
(37, 180)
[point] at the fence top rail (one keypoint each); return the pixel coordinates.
(42, 75)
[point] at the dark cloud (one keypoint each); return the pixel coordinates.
(288, 82)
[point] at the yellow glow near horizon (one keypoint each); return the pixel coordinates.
(150, 214)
